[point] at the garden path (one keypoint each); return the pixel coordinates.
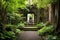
(29, 35)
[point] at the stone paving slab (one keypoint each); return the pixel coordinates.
(29, 35)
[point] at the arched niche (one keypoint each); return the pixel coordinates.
(30, 18)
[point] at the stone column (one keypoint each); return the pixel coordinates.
(50, 15)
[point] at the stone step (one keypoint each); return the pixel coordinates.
(30, 25)
(30, 29)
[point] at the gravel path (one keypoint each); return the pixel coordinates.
(29, 35)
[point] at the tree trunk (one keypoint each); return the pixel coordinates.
(53, 13)
(58, 23)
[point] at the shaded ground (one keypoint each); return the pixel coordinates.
(29, 35)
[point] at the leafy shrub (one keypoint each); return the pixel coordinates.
(40, 25)
(10, 27)
(11, 31)
(14, 18)
(25, 22)
(21, 25)
(2, 36)
(18, 31)
(7, 35)
(10, 34)
(51, 37)
(46, 30)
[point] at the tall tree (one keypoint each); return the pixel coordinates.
(58, 22)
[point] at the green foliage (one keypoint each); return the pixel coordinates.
(51, 37)
(10, 27)
(10, 34)
(44, 3)
(18, 31)
(46, 30)
(40, 25)
(21, 25)
(2, 36)
(9, 11)
(14, 18)
(12, 5)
